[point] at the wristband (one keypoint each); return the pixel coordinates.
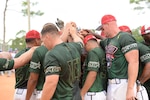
(138, 82)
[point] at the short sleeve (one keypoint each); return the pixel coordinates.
(127, 42)
(93, 61)
(144, 53)
(51, 64)
(35, 64)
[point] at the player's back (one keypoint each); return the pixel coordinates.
(67, 57)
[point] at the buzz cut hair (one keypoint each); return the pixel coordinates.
(49, 28)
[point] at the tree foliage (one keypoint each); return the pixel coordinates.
(19, 41)
(136, 34)
(32, 13)
(140, 4)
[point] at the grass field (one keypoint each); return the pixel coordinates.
(7, 87)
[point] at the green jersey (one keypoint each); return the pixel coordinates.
(64, 60)
(6, 64)
(95, 61)
(144, 53)
(22, 73)
(115, 49)
(36, 65)
(143, 42)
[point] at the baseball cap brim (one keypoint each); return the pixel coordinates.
(99, 28)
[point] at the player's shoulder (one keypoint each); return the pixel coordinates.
(76, 44)
(41, 48)
(124, 35)
(142, 46)
(97, 51)
(21, 52)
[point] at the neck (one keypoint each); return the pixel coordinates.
(56, 42)
(114, 33)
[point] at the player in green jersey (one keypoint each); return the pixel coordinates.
(21, 74)
(94, 73)
(145, 30)
(144, 68)
(62, 65)
(145, 33)
(37, 75)
(122, 57)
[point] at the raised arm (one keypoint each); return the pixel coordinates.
(65, 33)
(24, 58)
(6, 64)
(73, 33)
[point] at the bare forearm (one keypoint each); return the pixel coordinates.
(132, 74)
(89, 82)
(76, 38)
(64, 36)
(20, 62)
(145, 74)
(30, 88)
(48, 91)
(49, 87)
(24, 58)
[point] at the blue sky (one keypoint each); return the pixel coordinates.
(86, 13)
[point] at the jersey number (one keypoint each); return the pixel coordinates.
(74, 69)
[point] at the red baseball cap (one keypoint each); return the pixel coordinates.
(124, 28)
(99, 28)
(32, 34)
(145, 29)
(107, 18)
(89, 37)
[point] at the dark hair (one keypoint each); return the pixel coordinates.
(49, 28)
(29, 40)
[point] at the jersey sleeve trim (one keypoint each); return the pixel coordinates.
(145, 57)
(129, 47)
(52, 70)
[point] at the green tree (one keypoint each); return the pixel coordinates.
(32, 13)
(140, 4)
(27, 12)
(19, 41)
(136, 34)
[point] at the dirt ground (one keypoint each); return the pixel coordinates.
(7, 87)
